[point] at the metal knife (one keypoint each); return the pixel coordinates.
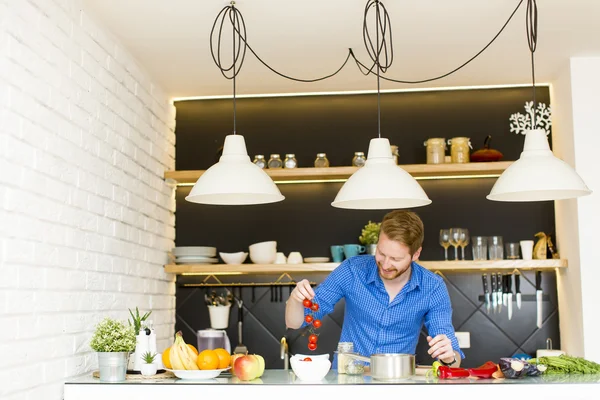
(538, 297)
(494, 293)
(486, 293)
(518, 289)
(510, 294)
(505, 290)
(500, 291)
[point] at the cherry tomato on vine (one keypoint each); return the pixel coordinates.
(307, 303)
(307, 359)
(313, 338)
(314, 307)
(308, 319)
(312, 346)
(316, 323)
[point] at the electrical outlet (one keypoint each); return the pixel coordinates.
(464, 339)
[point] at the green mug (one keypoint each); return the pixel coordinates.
(351, 250)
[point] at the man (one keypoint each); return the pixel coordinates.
(388, 297)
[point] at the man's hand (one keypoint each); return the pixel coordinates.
(294, 310)
(441, 348)
(302, 291)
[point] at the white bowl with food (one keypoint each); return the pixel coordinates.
(234, 258)
(310, 368)
(263, 252)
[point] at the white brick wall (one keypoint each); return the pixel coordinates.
(86, 219)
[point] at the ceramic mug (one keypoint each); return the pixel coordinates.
(337, 253)
(351, 250)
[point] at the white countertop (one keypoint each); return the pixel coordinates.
(281, 382)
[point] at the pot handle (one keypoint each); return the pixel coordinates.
(358, 357)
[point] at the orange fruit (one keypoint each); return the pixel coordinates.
(165, 356)
(207, 359)
(224, 358)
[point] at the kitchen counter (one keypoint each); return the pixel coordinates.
(282, 382)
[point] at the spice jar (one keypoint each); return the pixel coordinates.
(342, 361)
(290, 161)
(275, 161)
(321, 161)
(359, 159)
(259, 160)
(394, 153)
(436, 150)
(459, 149)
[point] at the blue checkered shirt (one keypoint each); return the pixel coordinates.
(373, 323)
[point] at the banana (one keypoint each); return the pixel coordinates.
(174, 357)
(183, 354)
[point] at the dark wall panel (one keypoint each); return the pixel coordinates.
(306, 222)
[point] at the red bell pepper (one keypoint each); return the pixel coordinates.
(444, 372)
(484, 371)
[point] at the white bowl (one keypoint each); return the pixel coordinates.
(263, 252)
(197, 374)
(234, 258)
(314, 370)
(312, 356)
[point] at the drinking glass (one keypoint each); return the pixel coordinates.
(455, 240)
(479, 248)
(512, 251)
(445, 241)
(464, 241)
(495, 248)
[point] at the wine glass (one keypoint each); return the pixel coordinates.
(455, 240)
(445, 241)
(464, 240)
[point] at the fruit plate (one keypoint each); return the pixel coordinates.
(197, 374)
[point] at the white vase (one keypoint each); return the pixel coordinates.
(148, 369)
(141, 347)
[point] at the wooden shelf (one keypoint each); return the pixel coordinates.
(337, 173)
(208, 269)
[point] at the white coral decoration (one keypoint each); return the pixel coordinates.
(520, 123)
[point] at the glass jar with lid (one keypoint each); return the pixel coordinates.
(321, 161)
(436, 150)
(275, 162)
(260, 161)
(460, 149)
(290, 161)
(342, 361)
(394, 153)
(359, 159)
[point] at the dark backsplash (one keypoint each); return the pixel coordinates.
(306, 222)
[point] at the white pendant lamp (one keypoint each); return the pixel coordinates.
(234, 180)
(538, 175)
(380, 184)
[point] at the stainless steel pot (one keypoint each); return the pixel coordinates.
(388, 367)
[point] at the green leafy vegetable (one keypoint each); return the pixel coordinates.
(565, 364)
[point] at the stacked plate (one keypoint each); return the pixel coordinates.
(195, 255)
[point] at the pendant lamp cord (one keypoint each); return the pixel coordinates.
(383, 34)
(233, 58)
(531, 23)
(242, 44)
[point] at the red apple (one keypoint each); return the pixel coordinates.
(246, 368)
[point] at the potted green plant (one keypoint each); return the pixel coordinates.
(113, 341)
(148, 367)
(370, 236)
(141, 337)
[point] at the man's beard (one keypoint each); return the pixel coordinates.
(392, 274)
